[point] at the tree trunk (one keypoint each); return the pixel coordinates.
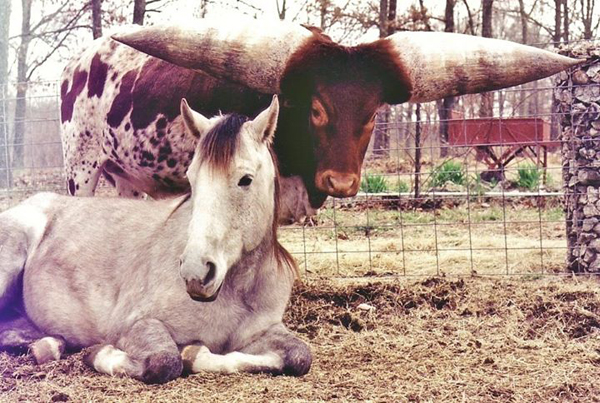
(381, 142)
(524, 89)
(587, 17)
(204, 8)
(554, 120)
(445, 107)
(566, 22)
(281, 9)
(97, 18)
(580, 118)
(22, 82)
(557, 22)
(323, 12)
(5, 177)
(487, 99)
(139, 11)
(417, 186)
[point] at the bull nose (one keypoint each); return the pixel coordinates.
(338, 184)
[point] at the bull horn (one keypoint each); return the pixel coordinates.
(441, 64)
(248, 53)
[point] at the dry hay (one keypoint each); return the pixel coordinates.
(482, 238)
(473, 339)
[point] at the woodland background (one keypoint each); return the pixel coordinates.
(37, 37)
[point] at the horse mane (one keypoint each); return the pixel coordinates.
(283, 257)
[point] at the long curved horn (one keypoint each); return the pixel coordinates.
(249, 53)
(441, 64)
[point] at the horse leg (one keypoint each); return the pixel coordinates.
(276, 351)
(13, 255)
(47, 349)
(17, 333)
(16, 330)
(146, 352)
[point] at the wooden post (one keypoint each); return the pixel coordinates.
(578, 94)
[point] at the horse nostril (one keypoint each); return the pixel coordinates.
(212, 269)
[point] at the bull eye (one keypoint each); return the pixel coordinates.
(316, 113)
(245, 181)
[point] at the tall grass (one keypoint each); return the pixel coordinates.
(373, 183)
(448, 171)
(529, 176)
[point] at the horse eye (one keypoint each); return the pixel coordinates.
(245, 181)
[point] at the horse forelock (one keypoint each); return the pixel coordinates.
(219, 145)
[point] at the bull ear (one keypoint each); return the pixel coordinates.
(441, 64)
(248, 53)
(265, 123)
(195, 123)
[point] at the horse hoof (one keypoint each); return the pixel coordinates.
(47, 349)
(162, 368)
(298, 359)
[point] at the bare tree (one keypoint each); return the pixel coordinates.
(381, 141)
(471, 24)
(566, 21)
(445, 105)
(53, 31)
(587, 18)
(557, 33)
(281, 9)
(5, 179)
(487, 98)
(96, 18)
(141, 8)
(139, 11)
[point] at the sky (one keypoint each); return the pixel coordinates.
(175, 11)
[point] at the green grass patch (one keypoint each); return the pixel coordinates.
(373, 183)
(448, 171)
(529, 177)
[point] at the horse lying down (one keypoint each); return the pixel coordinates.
(152, 287)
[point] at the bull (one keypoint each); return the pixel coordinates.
(120, 115)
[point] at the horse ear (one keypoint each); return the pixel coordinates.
(265, 123)
(195, 123)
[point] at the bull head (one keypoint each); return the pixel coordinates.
(337, 89)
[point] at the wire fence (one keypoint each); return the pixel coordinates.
(458, 196)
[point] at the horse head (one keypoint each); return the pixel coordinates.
(232, 178)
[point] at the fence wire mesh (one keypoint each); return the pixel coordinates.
(462, 195)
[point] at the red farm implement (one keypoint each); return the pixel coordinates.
(498, 141)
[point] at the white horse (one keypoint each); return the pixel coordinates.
(199, 282)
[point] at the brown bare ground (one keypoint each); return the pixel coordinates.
(511, 339)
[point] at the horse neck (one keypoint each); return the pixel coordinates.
(258, 274)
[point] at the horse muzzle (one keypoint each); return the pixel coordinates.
(198, 292)
(202, 281)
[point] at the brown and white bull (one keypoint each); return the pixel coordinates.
(120, 112)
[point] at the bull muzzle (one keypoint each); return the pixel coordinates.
(337, 184)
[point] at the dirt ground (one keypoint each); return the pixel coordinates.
(510, 339)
